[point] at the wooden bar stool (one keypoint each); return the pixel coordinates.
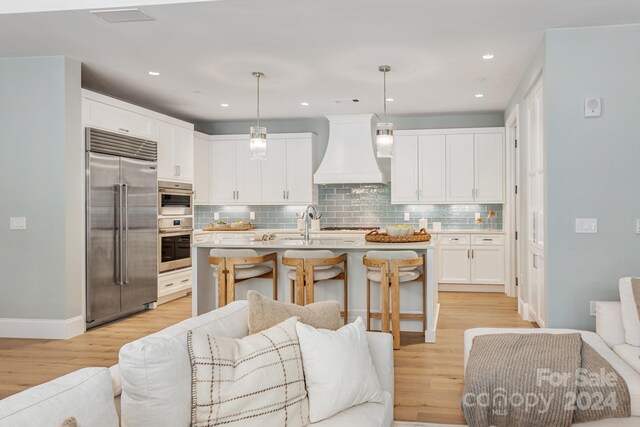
(308, 268)
(390, 269)
(237, 265)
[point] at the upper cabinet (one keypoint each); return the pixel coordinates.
(285, 177)
(448, 166)
(174, 137)
(175, 152)
(201, 169)
(101, 115)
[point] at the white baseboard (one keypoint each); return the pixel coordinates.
(42, 328)
(523, 310)
(450, 287)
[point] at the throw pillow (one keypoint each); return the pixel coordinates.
(630, 308)
(254, 381)
(265, 313)
(338, 369)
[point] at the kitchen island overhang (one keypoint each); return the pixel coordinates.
(205, 298)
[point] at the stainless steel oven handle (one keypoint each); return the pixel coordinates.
(126, 234)
(176, 191)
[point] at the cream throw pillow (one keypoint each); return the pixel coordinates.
(264, 313)
(254, 381)
(338, 369)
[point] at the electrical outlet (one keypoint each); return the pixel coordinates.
(586, 225)
(252, 215)
(592, 308)
(18, 223)
(407, 216)
(216, 216)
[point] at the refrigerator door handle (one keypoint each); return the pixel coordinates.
(125, 256)
(120, 235)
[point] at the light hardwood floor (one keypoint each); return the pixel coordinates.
(429, 377)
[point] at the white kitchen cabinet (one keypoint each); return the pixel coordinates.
(285, 177)
(173, 282)
(404, 170)
(202, 169)
(223, 171)
(300, 169)
(448, 166)
(432, 165)
(487, 265)
(455, 264)
(459, 167)
(175, 152)
(477, 259)
(274, 172)
(102, 115)
(248, 176)
(489, 167)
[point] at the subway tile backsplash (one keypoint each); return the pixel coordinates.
(357, 205)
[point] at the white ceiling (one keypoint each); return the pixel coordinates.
(310, 50)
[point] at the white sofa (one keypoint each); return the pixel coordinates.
(86, 395)
(608, 341)
(155, 374)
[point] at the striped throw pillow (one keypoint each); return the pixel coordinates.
(254, 381)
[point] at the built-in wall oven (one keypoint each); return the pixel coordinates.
(175, 198)
(174, 248)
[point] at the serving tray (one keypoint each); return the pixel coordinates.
(381, 237)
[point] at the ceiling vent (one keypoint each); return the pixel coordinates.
(116, 16)
(346, 101)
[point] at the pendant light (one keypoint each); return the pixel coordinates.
(258, 134)
(384, 130)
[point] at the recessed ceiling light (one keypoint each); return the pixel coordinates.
(479, 95)
(389, 99)
(154, 73)
(116, 16)
(304, 104)
(487, 56)
(223, 105)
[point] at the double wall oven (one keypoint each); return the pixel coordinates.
(175, 225)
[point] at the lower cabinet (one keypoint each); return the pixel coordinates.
(174, 282)
(471, 259)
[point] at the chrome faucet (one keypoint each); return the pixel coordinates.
(307, 220)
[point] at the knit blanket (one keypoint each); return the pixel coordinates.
(526, 380)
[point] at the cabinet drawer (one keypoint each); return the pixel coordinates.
(173, 282)
(116, 119)
(454, 239)
(487, 239)
(201, 238)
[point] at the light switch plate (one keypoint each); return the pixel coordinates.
(638, 226)
(18, 223)
(216, 216)
(407, 216)
(586, 225)
(252, 215)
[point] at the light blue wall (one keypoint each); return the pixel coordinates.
(592, 168)
(41, 158)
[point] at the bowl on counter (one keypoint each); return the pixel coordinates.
(400, 230)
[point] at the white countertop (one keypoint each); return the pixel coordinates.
(328, 243)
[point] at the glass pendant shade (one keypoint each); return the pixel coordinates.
(384, 140)
(258, 142)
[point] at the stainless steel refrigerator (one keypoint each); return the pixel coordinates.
(121, 225)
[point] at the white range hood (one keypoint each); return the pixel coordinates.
(350, 156)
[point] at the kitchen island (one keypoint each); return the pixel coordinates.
(205, 287)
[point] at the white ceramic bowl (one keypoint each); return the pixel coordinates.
(394, 231)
